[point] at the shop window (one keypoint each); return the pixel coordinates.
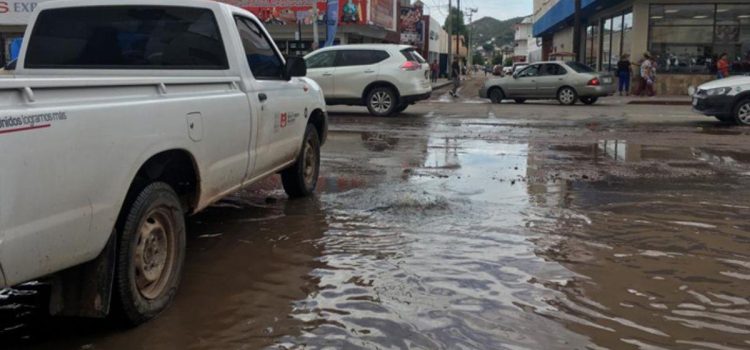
(689, 38)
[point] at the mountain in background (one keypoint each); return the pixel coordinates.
(488, 28)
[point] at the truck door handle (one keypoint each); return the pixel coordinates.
(327, 74)
(262, 97)
(369, 71)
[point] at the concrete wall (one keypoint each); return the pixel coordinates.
(563, 40)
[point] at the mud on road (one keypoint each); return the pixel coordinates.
(466, 225)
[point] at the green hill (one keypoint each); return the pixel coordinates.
(488, 28)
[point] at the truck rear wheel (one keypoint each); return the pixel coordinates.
(150, 254)
(301, 178)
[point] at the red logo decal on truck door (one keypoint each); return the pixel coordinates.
(283, 120)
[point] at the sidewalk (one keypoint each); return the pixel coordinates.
(441, 83)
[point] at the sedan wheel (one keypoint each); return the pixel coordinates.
(496, 95)
(742, 113)
(567, 96)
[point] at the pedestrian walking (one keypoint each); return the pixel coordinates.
(648, 76)
(624, 71)
(435, 69)
(722, 66)
(456, 75)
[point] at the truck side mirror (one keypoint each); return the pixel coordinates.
(295, 67)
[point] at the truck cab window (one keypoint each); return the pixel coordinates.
(264, 62)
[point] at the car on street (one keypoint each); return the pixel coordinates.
(386, 78)
(726, 99)
(568, 82)
(123, 116)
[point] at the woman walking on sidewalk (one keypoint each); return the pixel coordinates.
(435, 69)
(623, 74)
(647, 76)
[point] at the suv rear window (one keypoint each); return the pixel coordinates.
(126, 37)
(413, 55)
(579, 67)
(360, 57)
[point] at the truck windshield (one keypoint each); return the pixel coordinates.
(126, 37)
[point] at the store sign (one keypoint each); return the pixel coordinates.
(412, 26)
(383, 13)
(284, 12)
(17, 12)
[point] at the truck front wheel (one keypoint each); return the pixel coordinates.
(301, 178)
(150, 254)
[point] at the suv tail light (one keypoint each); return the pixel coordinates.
(411, 65)
(594, 82)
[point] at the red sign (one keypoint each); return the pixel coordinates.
(290, 11)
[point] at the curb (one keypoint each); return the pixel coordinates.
(439, 86)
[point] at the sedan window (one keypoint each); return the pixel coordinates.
(530, 71)
(553, 69)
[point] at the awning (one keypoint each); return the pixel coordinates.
(562, 12)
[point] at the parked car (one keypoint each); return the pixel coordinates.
(567, 82)
(386, 78)
(498, 70)
(726, 99)
(114, 129)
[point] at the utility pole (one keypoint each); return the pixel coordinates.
(577, 31)
(458, 34)
(450, 38)
(470, 52)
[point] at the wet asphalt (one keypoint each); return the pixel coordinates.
(465, 225)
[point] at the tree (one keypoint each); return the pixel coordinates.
(478, 59)
(508, 62)
(488, 47)
(449, 21)
(498, 59)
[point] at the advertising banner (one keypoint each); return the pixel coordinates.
(383, 13)
(291, 11)
(412, 26)
(332, 13)
(17, 12)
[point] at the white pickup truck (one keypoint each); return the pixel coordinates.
(123, 116)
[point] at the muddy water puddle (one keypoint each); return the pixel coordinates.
(434, 237)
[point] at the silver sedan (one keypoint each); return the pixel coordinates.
(568, 82)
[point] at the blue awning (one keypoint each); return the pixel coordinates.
(564, 10)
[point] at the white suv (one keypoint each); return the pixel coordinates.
(386, 78)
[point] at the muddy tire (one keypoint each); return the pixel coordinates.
(497, 95)
(742, 112)
(150, 254)
(520, 101)
(382, 101)
(301, 178)
(589, 100)
(567, 96)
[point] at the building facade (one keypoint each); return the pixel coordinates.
(685, 38)
(526, 48)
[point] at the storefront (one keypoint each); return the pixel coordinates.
(14, 15)
(357, 22)
(684, 38)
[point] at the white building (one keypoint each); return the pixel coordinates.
(526, 48)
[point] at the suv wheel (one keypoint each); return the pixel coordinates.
(382, 101)
(742, 112)
(567, 96)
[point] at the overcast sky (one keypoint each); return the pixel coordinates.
(500, 9)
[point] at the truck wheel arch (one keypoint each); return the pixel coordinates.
(319, 121)
(176, 167)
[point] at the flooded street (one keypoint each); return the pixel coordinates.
(466, 226)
